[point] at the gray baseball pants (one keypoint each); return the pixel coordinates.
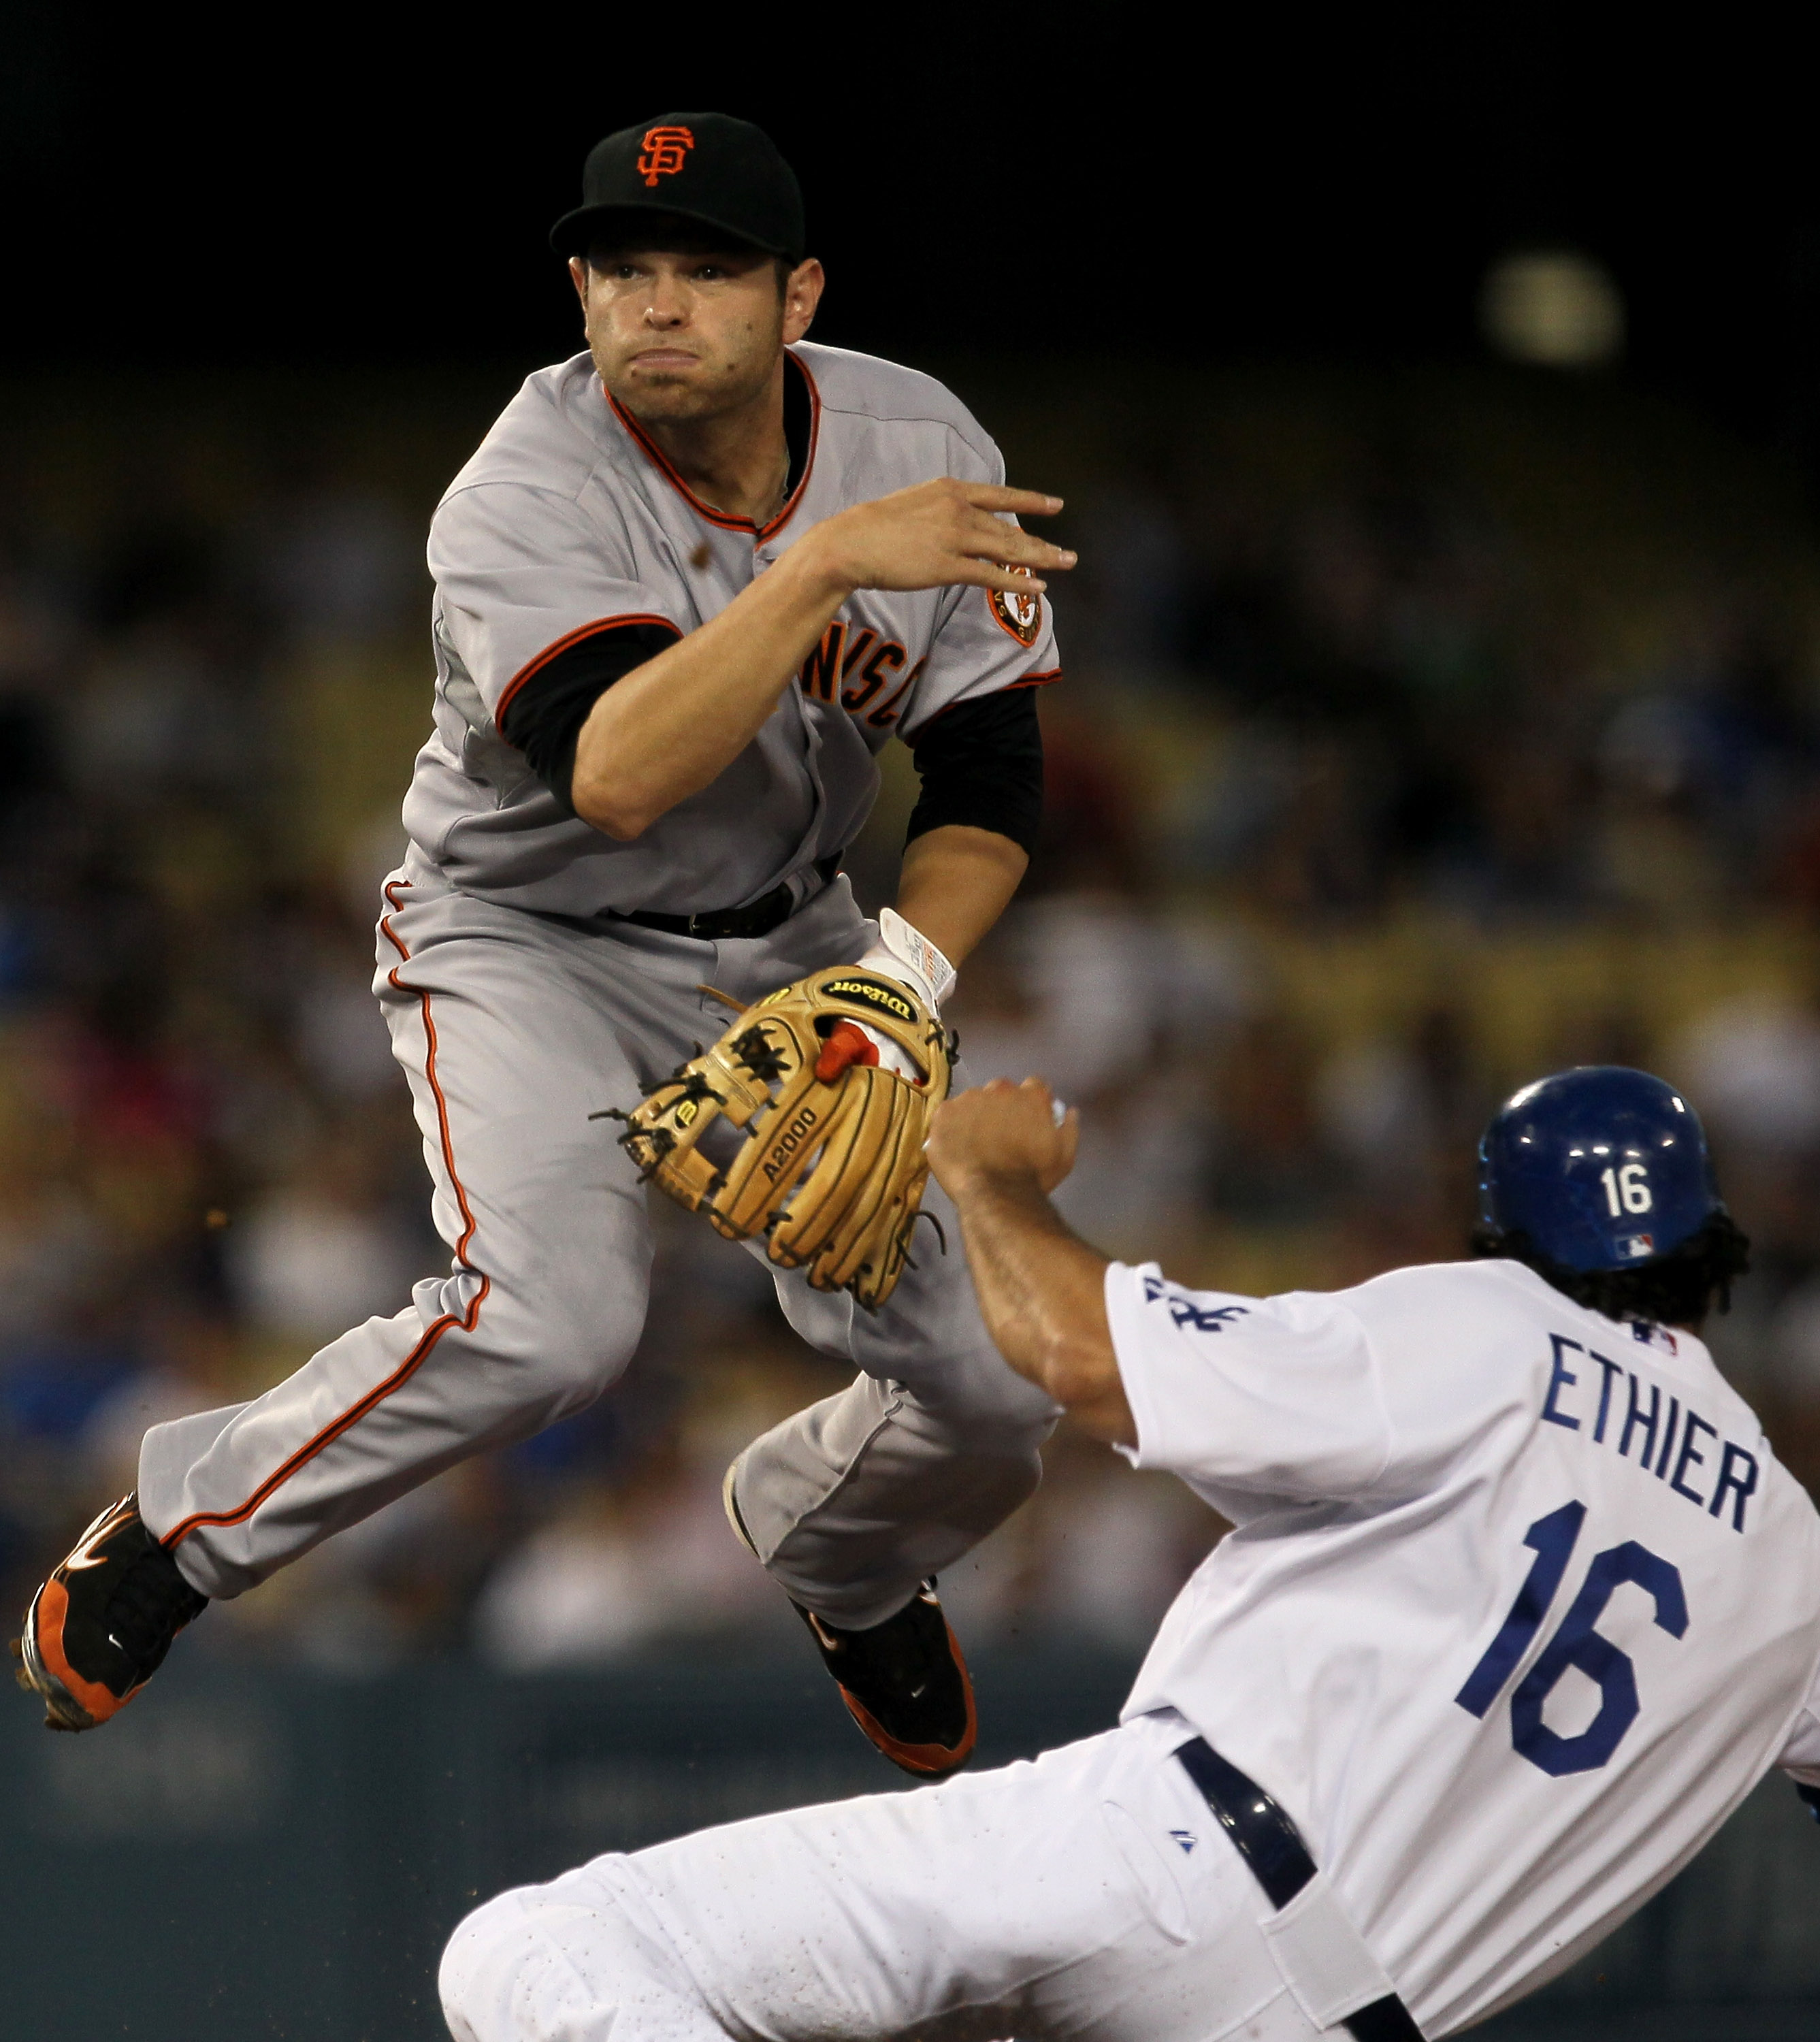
(512, 1028)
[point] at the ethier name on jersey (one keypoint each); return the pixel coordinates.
(1485, 1625)
(1691, 1444)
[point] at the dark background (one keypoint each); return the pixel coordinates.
(1062, 184)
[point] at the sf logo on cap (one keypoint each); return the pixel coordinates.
(663, 152)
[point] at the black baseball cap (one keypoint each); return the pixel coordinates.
(709, 168)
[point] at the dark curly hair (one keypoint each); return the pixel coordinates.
(1677, 1289)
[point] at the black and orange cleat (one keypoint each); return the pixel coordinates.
(99, 1628)
(905, 1683)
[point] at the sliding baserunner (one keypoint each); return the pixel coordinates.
(1518, 1607)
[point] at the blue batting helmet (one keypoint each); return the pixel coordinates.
(1601, 1167)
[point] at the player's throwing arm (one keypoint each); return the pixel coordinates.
(675, 724)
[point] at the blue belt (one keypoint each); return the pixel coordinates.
(1271, 1845)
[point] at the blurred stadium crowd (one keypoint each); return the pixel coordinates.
(1395, 765)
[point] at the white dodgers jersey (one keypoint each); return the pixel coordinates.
(1518, 1608)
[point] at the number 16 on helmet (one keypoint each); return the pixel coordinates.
(1601, 1167)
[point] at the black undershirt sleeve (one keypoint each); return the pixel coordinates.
(981, 764)
(543, 719)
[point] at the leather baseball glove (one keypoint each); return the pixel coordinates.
(830, 1169)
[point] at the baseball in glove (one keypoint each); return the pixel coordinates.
(830, 1169)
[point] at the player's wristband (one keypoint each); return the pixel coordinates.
(904, 952)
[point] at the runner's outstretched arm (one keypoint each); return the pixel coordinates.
(998, 1152)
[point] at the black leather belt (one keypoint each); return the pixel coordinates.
(1271, 1845)
(720, 925)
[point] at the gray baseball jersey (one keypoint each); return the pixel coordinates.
(568, 521)
(514, 1027)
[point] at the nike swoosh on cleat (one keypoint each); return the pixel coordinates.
(84, 1555)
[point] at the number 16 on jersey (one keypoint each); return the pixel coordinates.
(1575, 1643)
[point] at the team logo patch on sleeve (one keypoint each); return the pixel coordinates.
(1019, 614)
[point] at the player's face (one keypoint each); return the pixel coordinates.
(680, 335)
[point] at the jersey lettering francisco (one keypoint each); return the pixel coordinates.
(1518, 1607)
(568, 521)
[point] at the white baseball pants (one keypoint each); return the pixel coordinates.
(1091, 1895)
(513, 1029)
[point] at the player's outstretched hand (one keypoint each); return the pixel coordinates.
(1001, 1129)
(937, 534)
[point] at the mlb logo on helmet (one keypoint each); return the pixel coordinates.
(1638, 1245)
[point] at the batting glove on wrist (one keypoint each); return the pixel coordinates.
(904, 953)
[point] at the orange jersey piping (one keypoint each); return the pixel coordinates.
(562, 645)
(661, 461)
(1027, 681)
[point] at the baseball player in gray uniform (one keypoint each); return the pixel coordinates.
(690, 583)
